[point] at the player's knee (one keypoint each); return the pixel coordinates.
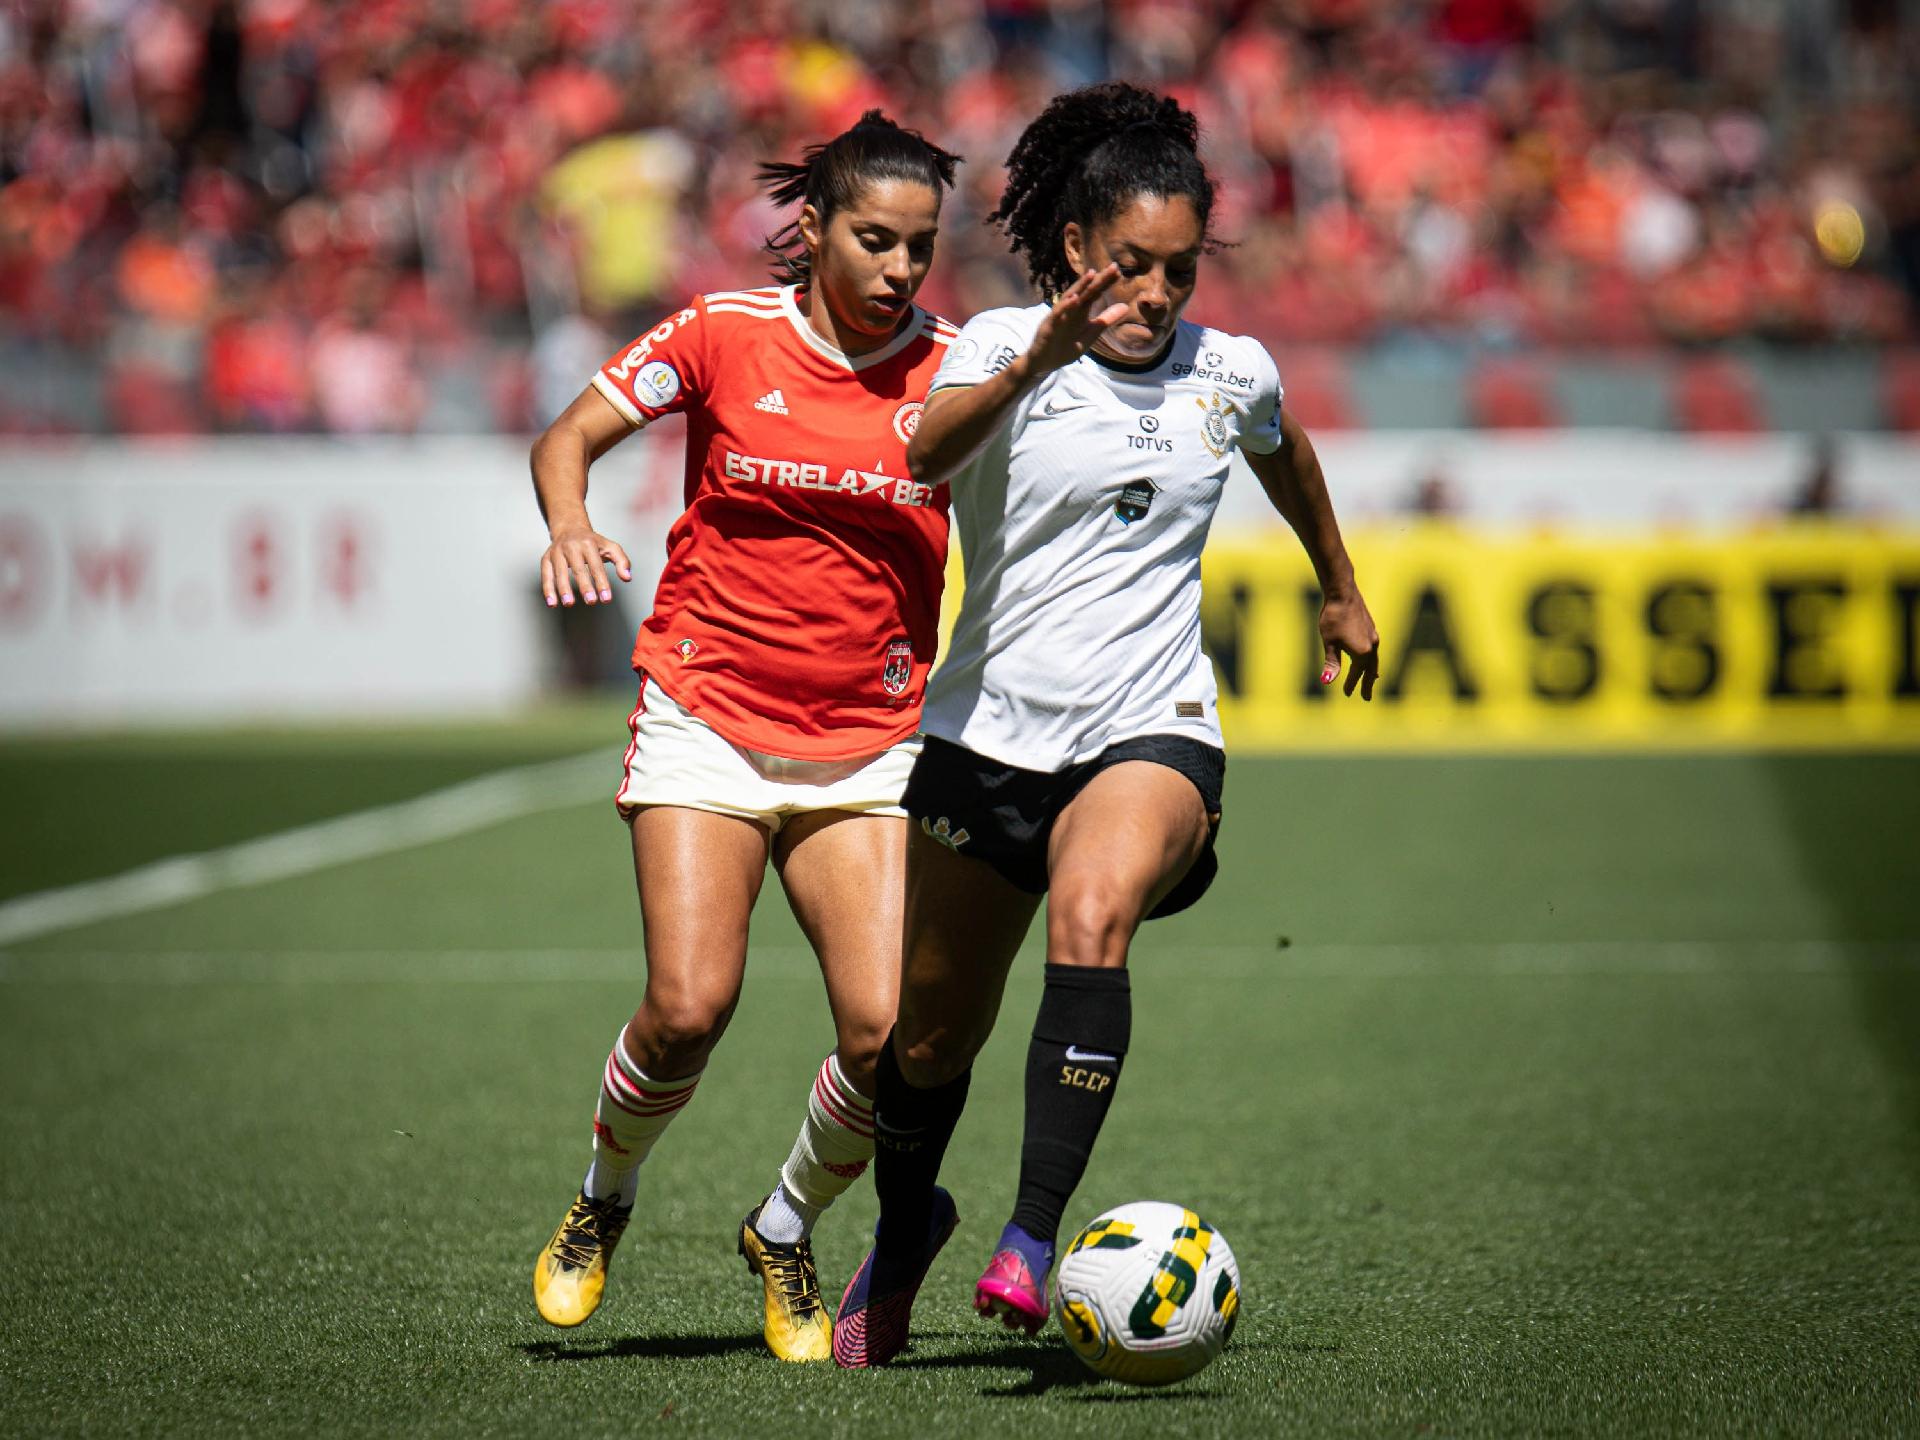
(859, 1052)
(1090, 919)
(933, 1053)
(935, 1061)
(676, 1030)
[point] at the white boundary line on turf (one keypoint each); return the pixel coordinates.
(438, 815)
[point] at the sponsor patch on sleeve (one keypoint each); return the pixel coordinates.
(657, 383)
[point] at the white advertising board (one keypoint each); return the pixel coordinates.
(287, 579)
(164, 582)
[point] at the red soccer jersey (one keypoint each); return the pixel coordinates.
(798, 611)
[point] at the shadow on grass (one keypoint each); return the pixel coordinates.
(1852, 817)
(1049, 1367)
(649, 1347)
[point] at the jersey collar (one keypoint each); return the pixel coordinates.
(910, 331)
(1136, 367)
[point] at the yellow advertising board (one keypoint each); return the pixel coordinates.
(1802, 636)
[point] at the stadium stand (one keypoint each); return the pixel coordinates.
(241, 216)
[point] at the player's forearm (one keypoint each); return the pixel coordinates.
(957, 428)
(1296, 485)
(560, 458)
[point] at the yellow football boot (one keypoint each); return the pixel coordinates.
(571, 1273)
(797, 1327)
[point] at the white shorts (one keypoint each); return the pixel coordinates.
(676, 758)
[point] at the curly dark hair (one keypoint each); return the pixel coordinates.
(1083, 158)
(829, 176)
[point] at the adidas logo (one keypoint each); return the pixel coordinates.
(773, 402)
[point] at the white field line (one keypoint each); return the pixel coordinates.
(1455, 960)
(439, 815)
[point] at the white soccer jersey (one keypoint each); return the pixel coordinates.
(1081, 525)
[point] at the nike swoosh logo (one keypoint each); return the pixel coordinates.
(1074, 1052)
(1054, 405)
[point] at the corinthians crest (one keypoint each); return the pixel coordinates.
(1213, 424)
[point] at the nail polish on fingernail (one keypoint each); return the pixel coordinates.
(606, 594)
(1326, 676)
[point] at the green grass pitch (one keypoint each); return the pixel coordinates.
(1537, 1096)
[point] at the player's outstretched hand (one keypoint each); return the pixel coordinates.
(1346, 625)
(581, 555)
(1071, 327)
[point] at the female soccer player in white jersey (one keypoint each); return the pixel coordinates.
(1072, 745)
(781, 671)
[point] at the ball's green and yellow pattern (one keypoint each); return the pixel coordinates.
(1148, 1293)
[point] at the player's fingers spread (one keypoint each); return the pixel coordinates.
(1330, 670)
(546, 579)
(562, 580)
(619, 558)
(1112, 315)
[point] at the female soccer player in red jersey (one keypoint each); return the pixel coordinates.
(781, 675)
(1072, 742)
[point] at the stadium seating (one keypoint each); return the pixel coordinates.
(1512, 394)
(1715, 394)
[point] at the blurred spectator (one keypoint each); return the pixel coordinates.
(1819, 492)
(364, 379)
(1433, 496)
(271, 214)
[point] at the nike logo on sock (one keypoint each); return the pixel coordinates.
(1074, 1052)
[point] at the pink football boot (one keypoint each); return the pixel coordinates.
(1008, 1289)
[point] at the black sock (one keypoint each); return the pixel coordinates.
(911, 1128)
(1073, 1063)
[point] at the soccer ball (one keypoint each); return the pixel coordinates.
(1148, 1293)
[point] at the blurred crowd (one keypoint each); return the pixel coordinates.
(275, 215)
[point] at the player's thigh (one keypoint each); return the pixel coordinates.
(699, 874)
(845, 876)
(1119, 846)
(964, 924)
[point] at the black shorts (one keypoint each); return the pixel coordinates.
(1004, 815)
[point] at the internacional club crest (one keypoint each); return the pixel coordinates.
(897, 672)
(906, 420)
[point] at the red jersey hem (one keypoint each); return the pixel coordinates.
(784, 744)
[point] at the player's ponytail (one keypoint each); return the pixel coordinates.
(1083, 158)
(831, 175)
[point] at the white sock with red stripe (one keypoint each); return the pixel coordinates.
(634, 1112)
(833, 1151)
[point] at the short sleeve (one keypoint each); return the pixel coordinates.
(664, 371)
(1261, 433)
(986, 345)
